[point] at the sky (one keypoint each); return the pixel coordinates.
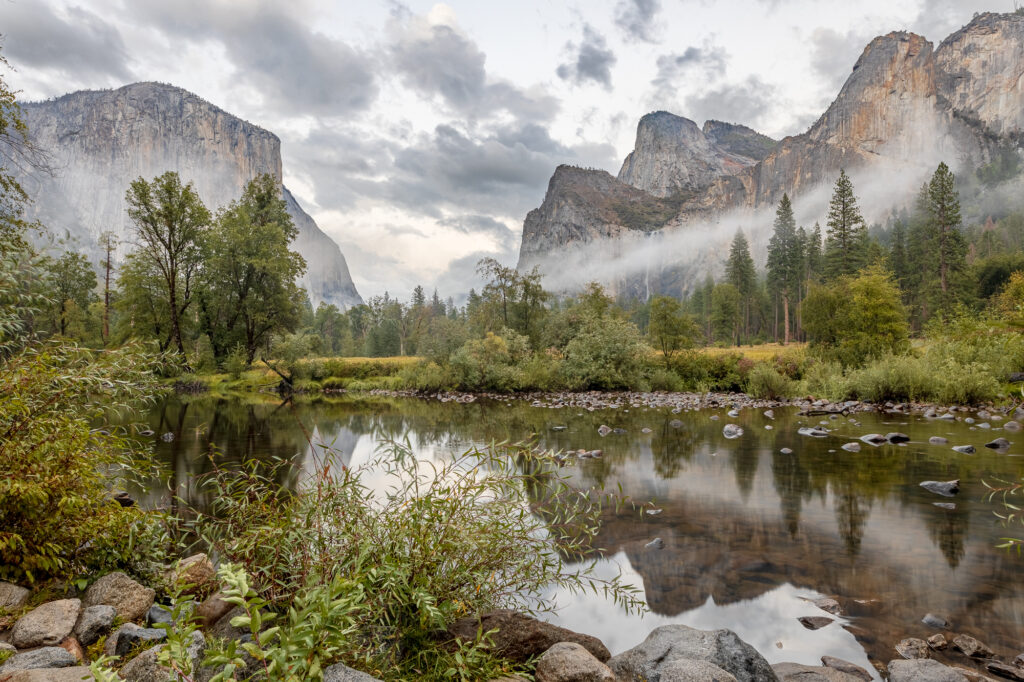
(420, 134)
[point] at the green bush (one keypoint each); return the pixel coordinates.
(606, 354)
(426, 376)
(825, 379)
(662, 379)
(491, 363)
(893, 378)
(766, 383)
(235, 363)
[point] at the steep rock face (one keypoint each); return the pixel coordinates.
(100, 141)
(673, 156)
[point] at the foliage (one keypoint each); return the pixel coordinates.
(490, 363)
(845, 244)
(767, 383)
(670, 329)
(605, 354)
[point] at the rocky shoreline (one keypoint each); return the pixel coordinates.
(116, 616)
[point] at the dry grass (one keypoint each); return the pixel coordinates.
(762, 352)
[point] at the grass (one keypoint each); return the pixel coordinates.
(759, 353)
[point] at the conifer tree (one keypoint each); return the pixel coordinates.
(847, 233)
(944, 211)
(784, 261)
(740, 272)
(814, 267)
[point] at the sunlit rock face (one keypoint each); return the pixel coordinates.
(905, 107)
(100, 141)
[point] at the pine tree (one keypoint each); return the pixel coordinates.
(898, 255)
(784, 261)
(847, 233)
(944, 211)
(814, 267)
(740, 272)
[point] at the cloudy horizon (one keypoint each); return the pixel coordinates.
(419, 134)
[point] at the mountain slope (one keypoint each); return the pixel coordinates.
(100, 141)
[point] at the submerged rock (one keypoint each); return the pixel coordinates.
(965, 449)
(732, 431)
(928, 670)
(935, 621)
(520, 637)
(897, 437)
(812, 432)
(814, 622)
(998, 444)
(944, 488)
(656, 543)
(912, 647)
(874, 438)
(603, 430)
(786, 451)
(846, 667)
(970, 646)
(852, 447)
(938, 440)
(1011, 672)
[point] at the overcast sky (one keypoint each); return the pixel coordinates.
(419, 134)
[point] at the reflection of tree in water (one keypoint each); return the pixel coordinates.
(947, 529)
(670, 447)
(852, 511)
(793, 484)
(744, 458)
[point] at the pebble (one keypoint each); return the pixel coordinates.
(965, 449)
(656, 543)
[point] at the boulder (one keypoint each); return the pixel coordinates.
(1011, 426)
(146, 666)
(130, 599)
(873, 438)
(846, 667)
(912, 647)
(935, 621)
(938, 641)
(73, 674)
(852, 447)
(73, 647)
(670, 643)
(158, 614)
(225, 630)
(969, 646)
(923, 670)
(195, 573)
(520, 637)
(110, 646)
(93, 622)
(212, 609)
(938, 440)
(570, 662)
(693, 670)
(46, 625)
(13, 597)
(965, 449)
(339, 672)
(732, 431)
(897, 437)
(43, 657)
(796, 672)
(1011, 672)
(814, 622)
(828, 604)
(132, 638)
(944, 488)
(998, 444)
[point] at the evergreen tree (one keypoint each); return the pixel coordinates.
(740, 272)
(944, 211)
(419, 297)
(847, 233)
(897, 259)
(784, 261)
(73, 281)
(814, 263)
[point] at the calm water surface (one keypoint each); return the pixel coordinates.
(749, 533)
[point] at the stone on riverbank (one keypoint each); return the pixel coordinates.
(212, 609)
(969, 646)
(146, 666)
(339, 672)
(570, 662)
(796, 672)
(944, 488)
(93, 623)
(130, 599)
(912, 648)
(131, 638)
(73, 674)
(195, 573)
(13, 597)
(846, 667)
(1011, 672)
(519, 636)
(670, 643)
(44, 657)
(923, 670)
(46, 625)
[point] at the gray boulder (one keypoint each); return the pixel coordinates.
(846, 667)
(93, 622)
(146, 666)
(669, 643)
(46, 625)
(520, 637)
(970, 646)
(134, 638)
(339, 672)
(73, 674)
(922, 670)
(795, 672)
(570, 662)
(44, 657)
(938, 440)
(12, 597)
(129, 598)
(693, 670)
(945, 488)
(225, 630)
(912, 647)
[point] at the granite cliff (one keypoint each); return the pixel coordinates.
(905, 106)
(99, 141)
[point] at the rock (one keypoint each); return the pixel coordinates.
(196, 572)
(603, 430)
(998, 444)
(828, 604)
(938, 440)
(1011, 672)
(938, 641)
(1011, 426)
(93, 622)
(560, 427)
(852, 447)
(73, 674)
(969, 646)
(693, 670)
(670, 643)
(897, 437)
(4, 646)
(146, 666)
(812, 432)
(225, 630)
(945, 505)
(732, 431)
(73, 647)
(646, 430)
(570, 662)
(874, 438)
(133, 638)
(43, 657)
(339, 672)
(212, 609)
(656, 543)
(948, 416)
(923, 670)
(158, 614)
(934, 621)
(912, 647)
(786, 451)
(846, 667)
(796, 672)
(770, 414)
(676, 424)
(46, 625)
(965, 449)
(814, 622)
(13, 597)
(619, 431)
(944, 488)
(521, 637)
(130, 599)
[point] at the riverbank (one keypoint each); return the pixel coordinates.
(119, 626)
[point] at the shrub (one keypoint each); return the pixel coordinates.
(893, 378)
(606, 354)
(235, 363)
(489, 363)
(426, 376)
(662, 379)
(826, 380)
(764, 382)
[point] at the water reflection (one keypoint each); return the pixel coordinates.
(747, 530)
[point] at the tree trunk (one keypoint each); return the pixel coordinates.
(106, 302)
(63, 317)
(785, 317)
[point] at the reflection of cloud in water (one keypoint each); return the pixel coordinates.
(761, 622)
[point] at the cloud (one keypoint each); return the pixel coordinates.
(701, 64)
(636, 19)
(833, 55)
(295, 68)
(747, 102)
(78, 45)
(939, 18)
(590, 60)
(438, 60)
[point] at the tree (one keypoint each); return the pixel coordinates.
(669, 328)
(944, 211)
(169, 222)
(740, 272)
(785, 256)
(847, 233)
(73, 281)
(249, 289)
(108, 241)
(726, 313)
